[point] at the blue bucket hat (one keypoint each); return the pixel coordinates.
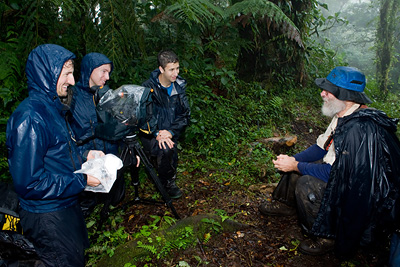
(345, 83)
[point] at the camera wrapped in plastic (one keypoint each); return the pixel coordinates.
(125, 110)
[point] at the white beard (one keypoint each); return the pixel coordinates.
(332, 107)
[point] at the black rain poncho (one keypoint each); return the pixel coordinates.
(361, 199)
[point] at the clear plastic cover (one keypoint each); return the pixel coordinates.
(123, 103)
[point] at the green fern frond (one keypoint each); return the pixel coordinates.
(261, 9)
(96, 249)
(149, 248)
(276, 102)
(194, 11)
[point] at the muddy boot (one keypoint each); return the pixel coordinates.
(172, 189)
(276, 208)
(317, 246)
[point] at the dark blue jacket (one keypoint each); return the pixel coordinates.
(84, 119)
(42, 155)
(307, 166)
(172, 112)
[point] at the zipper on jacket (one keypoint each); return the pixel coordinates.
(69, 143)
(93, 132)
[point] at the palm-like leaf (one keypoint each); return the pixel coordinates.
(261, 9)
(194, 11)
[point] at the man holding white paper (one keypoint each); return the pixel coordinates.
(42, 158)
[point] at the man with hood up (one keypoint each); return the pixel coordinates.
(172, 113)
(345, 188)
(96, 69)
(42, 158)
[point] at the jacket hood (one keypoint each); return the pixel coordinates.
(378, 116)
(44, 66)
(154, 75)
(89, 63)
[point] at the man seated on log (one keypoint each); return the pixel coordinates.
(172, 111)
(345, 188)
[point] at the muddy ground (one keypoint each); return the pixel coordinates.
(269, 241)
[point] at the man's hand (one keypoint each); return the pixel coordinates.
(164, 139)
(164, 134)
(138, 161)
(285, 163)
(92, 181)
(95, 154)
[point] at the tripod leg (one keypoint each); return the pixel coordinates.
(134, 171)
(156, 180)
(115, 196)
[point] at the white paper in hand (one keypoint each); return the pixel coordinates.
(103, 168)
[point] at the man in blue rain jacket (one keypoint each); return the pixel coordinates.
(96, 69)
(42, 158)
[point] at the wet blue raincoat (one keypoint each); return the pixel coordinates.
(42, 155)
(362, 198)
(84, 118)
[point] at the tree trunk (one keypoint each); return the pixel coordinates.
(384, 41)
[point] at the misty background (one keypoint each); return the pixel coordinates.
(352, 37)
(351, 33)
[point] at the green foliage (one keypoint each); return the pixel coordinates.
(201, 12)
(215, 41)
(12, 87)
(214, 225)
(160, 245)
(222, 139)
(268, 10)
(108, 240)
(104, 241)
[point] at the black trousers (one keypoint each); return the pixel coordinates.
(60, 237)
(166, 160)
(302, 192)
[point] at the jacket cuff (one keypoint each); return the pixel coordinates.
(85, 155)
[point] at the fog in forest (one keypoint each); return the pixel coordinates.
(351, 32)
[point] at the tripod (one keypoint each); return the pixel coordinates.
(129, 159)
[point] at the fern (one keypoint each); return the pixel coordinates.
(146, 247)
(276, 102)
(183, 239)
(200, 12)
(216, 226)
(261, 9)
(96, 249)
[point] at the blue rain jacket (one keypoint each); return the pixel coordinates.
(42, 155)
(172, 112)
(83, 108)
(362, 198)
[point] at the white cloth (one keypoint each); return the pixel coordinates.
(321, 140)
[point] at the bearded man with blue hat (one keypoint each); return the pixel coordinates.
(345, 188)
